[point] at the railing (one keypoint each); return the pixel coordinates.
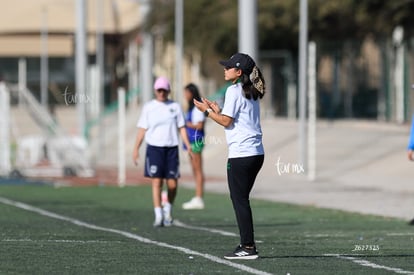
(62, 150)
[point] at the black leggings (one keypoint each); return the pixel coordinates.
(241, 174)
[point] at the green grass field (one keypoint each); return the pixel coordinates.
(108, 230)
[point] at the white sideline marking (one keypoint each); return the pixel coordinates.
(57, 241)
(369, 264)
(401, 234)
(131, 236)
(324, 235)
(221, 232)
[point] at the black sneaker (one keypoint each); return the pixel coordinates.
(243, 253)
(411, 222)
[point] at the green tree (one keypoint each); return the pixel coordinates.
(210, 27)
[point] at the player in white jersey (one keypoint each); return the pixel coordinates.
(241, 120)
(160, 123)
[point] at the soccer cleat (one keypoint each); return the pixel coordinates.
(168, 221)
(158, 223)
(243, 253)
(194, 203)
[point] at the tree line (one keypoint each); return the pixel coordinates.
(210, 27)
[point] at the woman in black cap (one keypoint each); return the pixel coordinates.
(240, 117)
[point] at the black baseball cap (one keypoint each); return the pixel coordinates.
(240, 61)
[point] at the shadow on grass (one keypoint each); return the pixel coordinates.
(256, 225)
(332, 256)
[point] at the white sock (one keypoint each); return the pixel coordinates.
(167, 209)
(158, 213)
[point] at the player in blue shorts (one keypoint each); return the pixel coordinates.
(160, 123)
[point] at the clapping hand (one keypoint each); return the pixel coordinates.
(201, 105)
(213, 105)
(204, 104)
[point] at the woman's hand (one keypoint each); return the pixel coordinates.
(215, 115)
(201, 105)
(135, 156)
(213, 105)
(411, 155)
(190, 153)
(184, 136)
(138, 141)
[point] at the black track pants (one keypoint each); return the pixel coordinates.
(241, 174)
